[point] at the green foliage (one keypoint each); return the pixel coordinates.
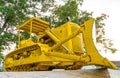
(14, 12)
(1, 55)
(25, 35)
(6, 39)
(84, 16)
(100, 34)
(69, 9)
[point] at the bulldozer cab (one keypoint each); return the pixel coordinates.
(34, 27)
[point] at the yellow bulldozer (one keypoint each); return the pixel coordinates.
(68, 46)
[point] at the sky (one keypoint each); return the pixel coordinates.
(111, 8)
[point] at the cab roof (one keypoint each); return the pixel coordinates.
(38, 25)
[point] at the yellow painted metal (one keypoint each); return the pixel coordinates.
(38, 25)
(69, 33)
(91, 51)
(31, 30)
(68, 46)
(50, 33)
(18, 38)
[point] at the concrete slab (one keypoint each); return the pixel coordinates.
(114, 73)
(96, 73)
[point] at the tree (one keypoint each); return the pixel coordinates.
(70, 8)
(105, 44)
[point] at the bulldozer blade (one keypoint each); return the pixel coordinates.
(91, 51)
